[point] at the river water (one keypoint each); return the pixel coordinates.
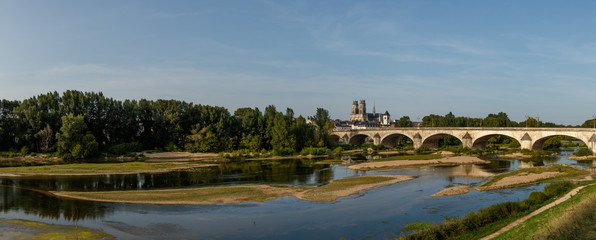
(377, 213)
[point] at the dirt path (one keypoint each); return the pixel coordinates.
(542, 209)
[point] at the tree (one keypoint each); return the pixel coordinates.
(323, 126)
(404, 122)
(73, 140)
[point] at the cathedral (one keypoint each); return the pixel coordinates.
(359, 115)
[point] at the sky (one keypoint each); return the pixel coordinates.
(411, 58)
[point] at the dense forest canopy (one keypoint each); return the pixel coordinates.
(492, 120)
(79, 124)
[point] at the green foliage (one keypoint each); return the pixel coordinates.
(558, 188)
(314, 151)
(583, 152)
(25, 151)
(124, 148)
(284, 151)
(422, 150)
(161, 124)
(73, 140)
(404, 122)
(338, 150)
(457, 226)
(552, 143)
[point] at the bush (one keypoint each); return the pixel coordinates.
(25, 151)
(123, 148)
(422, 150)
(338, 150)
(557, 189)
(314, 151)
(583, 152)
(539, 197)
(286, 151)
(171, 147)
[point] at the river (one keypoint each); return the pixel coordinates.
(377, 213)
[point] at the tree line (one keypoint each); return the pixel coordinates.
(492, 120)
(80, 124)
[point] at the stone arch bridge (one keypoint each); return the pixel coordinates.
(529, 138)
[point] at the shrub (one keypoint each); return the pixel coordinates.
(25, 151)
(583, 152)
(557, 188)
(422, 150)
(286, 151)
(314, 151)
(123, 148)
(171, 147)
(539, 197)
(338, 150)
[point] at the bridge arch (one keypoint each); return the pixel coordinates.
(482, 141)
(359, 139)
(539, 143)
(395, 138)
(432, 141)
(334, 138)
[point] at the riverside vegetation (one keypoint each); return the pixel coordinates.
(490, 219)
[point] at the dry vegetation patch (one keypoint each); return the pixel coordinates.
(98, 168)
(241, 193)
(349, 186)
(533, 175)
(408, 163)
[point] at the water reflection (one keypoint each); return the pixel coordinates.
(34, 202)
(285, 218)
(294, 172)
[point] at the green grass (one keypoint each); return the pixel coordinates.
(569, 172)
(97, 168)
(547, 221)
(410, 157)
(22, 229)
(419, 225)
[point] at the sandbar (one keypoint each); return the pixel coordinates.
(408, 163)
(452, 191)
(240, 193)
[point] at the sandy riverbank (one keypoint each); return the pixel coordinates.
(516, 155)
(452, 191)
(532, 176)
(242, 193)
(81, 169)
(409, 163)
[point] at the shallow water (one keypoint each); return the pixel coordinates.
(376, 213)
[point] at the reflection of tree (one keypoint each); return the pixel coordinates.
(46, 206)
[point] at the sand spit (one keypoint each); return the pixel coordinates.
(520, 179)
(241, 193)
(452, 191)
(409, 163)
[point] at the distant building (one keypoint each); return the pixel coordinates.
(360, 116)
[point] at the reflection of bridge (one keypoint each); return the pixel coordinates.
(529, 138)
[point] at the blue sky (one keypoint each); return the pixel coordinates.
(412, 58)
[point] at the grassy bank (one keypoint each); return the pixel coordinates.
(572, 219)
(22, 229)
(533, 175)
(241, 193)
(490, 219)
(98, 168)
